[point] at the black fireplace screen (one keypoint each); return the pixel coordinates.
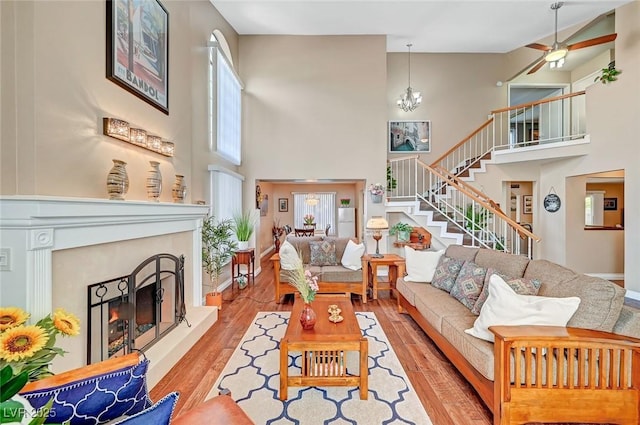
(133, 312)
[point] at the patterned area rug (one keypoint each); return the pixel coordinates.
(252, 376)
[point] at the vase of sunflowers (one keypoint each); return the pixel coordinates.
(26, 352)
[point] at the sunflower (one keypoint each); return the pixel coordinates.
(11, 317)
(22, 342)
(65, 322)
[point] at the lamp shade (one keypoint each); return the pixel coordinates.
(377, 223)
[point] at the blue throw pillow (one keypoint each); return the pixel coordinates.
(158, 414)
(98, 399)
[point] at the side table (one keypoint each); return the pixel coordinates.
(245, 257)
(371, 264)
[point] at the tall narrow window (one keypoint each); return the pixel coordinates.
(324, 212)
(225, 104)
(226, 192)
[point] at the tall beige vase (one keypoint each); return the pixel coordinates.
(179, 190)
(154, 181)
(117, 180)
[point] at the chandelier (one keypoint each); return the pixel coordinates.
(311, 199)
(409, 100)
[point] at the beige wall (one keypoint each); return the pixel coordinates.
(53, 69)
(314, 108)
(458, 92)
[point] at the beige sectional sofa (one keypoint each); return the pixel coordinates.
(552, 387)
(331, 278)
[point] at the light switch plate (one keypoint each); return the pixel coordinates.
(5, 259)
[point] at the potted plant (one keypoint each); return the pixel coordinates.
(309, 220)
(608, 74)
(392, 183)
(243, 227)
(217, 248)
(376, 191)
(475, 220)
(344, 202)
(402, 231)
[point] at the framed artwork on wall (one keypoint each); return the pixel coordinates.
(527, 204)
(409, 136)
(283, 205)
(610, 204)
(138, 49)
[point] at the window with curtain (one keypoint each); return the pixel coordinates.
(225, 105)
(226, 193)
(324, 212)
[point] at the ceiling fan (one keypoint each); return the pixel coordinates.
(554, 55)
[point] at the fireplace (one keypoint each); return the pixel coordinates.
(134, 312)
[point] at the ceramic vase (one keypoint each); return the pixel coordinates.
(376, 199)
(308, 317)
(243, 245)
(117, 180)
(154, 181)
(179, 190)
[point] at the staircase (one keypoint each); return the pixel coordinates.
(437, 195)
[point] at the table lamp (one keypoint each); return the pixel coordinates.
(377, 224)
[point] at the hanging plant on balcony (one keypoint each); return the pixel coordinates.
(391, 181)
(608, 74)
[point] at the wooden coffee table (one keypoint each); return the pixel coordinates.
(324, 349)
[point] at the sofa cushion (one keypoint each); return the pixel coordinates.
(340, 243)
(339, 274)
(601, 301)
(476, 351)
(505, 307)
(461, 252)
(323, 253)
(446, 273)
(548, 273)
(508, 264)
(629, 322)
(289, 257)
(520, 285)
(421, 265)
(97, 399)
(352, 257)
(301, 244)
(468, 284)
(435, 304)
(158, 414)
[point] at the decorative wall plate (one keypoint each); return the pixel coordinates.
(552, 202)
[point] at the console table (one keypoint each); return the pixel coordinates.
(247, 258)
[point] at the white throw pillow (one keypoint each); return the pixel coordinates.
(289, 258)
(505, 307)
(352, 257)
(421, 265)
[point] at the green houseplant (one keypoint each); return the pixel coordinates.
(217, 248)
(475, 219)
(392, 183)
(402, 231)
(243, 226)
(608, 74)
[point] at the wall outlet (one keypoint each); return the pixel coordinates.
(5, 259)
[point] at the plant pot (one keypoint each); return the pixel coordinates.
(243, 245)
(403, 235)
(214, 299)
(376, 199)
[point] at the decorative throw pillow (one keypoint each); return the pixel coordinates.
(98, 399)
(520, 285)
(469, 284)
(158, 414)
(289, 258)
(505, 307)
(323, 253)
(421, 265)
(352, 257)
(446, 272)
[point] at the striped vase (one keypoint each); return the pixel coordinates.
(117, 180)
(154, 181)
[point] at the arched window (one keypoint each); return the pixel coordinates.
(225, 101)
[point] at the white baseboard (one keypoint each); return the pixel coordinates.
(633, 295)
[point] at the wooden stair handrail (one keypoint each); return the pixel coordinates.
(463, 141)
(538, 102)
(471, 192)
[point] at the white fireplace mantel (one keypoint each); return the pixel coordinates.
(32, 227)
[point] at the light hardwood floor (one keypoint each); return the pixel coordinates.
(445, 394)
